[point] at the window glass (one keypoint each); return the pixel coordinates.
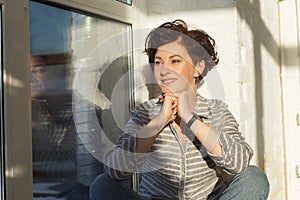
(77, 62)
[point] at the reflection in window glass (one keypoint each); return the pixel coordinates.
(67, 61)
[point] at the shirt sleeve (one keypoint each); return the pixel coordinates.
(236, 152)
(122, 160)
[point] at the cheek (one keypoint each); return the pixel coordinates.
(187, 74)
(184, 72)
(156, 72)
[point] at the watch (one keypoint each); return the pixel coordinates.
(193, 119)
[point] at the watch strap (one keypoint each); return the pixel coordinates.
(193, 119)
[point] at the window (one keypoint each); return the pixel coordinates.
(2, 161)
(73, 79)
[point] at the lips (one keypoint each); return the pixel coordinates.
(168, 80)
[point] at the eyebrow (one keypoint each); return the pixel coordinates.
(158, 57)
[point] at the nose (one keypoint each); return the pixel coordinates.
(164, 70)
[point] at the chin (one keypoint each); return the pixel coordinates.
(172, 90)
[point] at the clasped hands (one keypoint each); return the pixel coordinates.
(179, 104)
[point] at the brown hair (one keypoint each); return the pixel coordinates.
(198, 43)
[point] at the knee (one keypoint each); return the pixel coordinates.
(256, 180)
(104, 187)
(99, 186)
(252, 183)
(256, 176)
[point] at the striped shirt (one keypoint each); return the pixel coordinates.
(180, 170)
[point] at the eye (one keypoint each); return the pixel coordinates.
(176, 61)
(158, 63)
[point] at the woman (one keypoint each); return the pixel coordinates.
(184, 146)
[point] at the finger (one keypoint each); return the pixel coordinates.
(174, 111)
(169, 94)
(161, 99)
(170, 103)
(167, 101)
(174, 103)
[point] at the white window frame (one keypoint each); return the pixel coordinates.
(17, 105)
(111, 9)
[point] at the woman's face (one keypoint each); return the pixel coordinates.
(174, 69)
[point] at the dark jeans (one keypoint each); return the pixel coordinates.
(251, 184)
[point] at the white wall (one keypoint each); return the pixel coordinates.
(261, 88)
(290, 35)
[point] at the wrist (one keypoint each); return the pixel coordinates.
(186, 118)
(194, 117)
(161, 120)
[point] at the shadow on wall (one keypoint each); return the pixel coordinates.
(261, 37)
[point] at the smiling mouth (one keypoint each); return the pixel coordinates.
(168, 80)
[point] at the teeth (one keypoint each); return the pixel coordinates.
(168, 81)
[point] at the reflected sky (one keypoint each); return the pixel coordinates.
(50, 29)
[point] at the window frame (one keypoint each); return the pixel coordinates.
(104, 8)
(16, 88)
(2, 156)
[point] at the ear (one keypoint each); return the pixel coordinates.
(200, 66)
